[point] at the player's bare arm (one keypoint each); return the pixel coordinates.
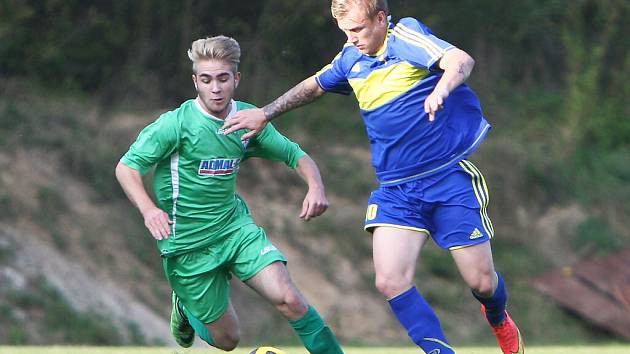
(256, 119)
(301, 94)
(315, 203)
(457, 66)
(155, 219)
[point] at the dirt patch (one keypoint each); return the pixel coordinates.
(32, 258)
(555, 228)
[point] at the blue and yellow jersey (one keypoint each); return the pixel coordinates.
(391, 87)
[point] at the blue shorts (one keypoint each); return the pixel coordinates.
(451, 206)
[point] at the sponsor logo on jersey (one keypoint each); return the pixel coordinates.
(216, 167)
(476, 234)
(356, 68)
(267, 249)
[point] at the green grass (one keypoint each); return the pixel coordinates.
(600, 349)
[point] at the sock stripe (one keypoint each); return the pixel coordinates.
(439, 342)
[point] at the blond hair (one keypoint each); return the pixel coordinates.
(218, 47)
(340, 8)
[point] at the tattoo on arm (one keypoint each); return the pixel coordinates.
(461, 68)
(462, 72)
(298, 96)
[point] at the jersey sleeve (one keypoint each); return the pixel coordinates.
(154, 143)
(417, 44)
(333, 77)
(271, 145)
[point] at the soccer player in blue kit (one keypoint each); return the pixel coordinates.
(422, 122)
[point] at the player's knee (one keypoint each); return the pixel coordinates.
(227, 341)
(292, 304)
(483, 285)
(391, 286)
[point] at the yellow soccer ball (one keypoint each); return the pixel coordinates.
(266, 350)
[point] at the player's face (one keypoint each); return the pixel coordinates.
(216, 81)
(367, 34)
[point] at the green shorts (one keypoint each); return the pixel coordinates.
(201, 278)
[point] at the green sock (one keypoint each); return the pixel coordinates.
(315, 334)
(198, 326)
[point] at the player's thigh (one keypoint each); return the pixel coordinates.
(476, 266)
(253, 252)
(396, 251)
(261, 266)
(275, 284)
(201, 283)
(460, 216)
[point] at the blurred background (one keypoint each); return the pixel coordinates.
(79, 79)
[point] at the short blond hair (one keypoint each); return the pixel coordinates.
(340, 8)
(218, 47)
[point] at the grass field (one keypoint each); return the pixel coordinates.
(603, 349)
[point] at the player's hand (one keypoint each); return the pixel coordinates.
(434, 102)
(158, 223)
(252, 119)
(315, 204)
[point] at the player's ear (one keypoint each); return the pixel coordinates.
(194, 79)
(237, 78)
(381, 17)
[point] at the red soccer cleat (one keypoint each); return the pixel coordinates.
(508, 335)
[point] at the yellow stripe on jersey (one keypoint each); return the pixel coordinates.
(481, 192)
(383, 85)
(421, 38)
(485, 189)
(327, 67)
(412, 37)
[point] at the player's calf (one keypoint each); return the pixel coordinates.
(226, 340)
(421, 323)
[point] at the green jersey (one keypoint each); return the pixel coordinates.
(196, 168)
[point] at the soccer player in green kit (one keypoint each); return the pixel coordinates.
(203, 228)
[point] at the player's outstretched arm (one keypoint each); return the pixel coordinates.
(155, 219)
(315, 203)
(256, 119)
(457, 66)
